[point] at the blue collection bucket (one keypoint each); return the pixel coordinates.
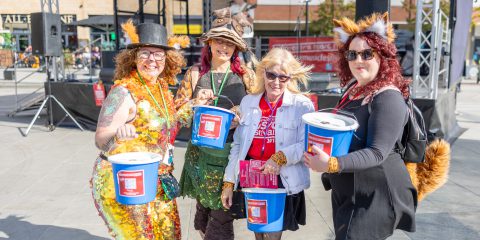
(135, 175)
(264, 209)
(210, 126)
(330, 132)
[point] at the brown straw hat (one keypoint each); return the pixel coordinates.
(228, 28)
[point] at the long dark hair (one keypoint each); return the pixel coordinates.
(206, 61)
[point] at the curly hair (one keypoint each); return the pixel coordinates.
(125, 63)
(389, 72)
(288, 63)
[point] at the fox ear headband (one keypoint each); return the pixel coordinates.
(376, 23)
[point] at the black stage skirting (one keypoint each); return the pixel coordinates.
(78, 99)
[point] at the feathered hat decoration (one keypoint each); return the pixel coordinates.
(129, 28)
(179, 42)
(376, 23)
(151, 36)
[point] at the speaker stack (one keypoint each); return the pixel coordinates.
(46, 31)
(365, 8)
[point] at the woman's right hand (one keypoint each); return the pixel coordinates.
(204, 97)
(126, 132)
(227, 196)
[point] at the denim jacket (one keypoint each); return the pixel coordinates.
(289, 138)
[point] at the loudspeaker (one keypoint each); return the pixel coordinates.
(367, 7)
(46, 34)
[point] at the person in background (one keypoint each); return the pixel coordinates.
(271, 130)
(96, 57)
(220, 73)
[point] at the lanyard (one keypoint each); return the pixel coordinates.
(156, 103)
(221, 85)
(269, 120)
(346, 100)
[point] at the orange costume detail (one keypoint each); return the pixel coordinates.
(158, 219)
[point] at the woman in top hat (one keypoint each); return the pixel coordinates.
(220, 73)
(138, 116)
(372, 192)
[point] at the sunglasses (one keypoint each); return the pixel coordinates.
(367, 54)
(145, 54)
(273, 76)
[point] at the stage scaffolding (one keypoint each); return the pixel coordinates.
(432, 47)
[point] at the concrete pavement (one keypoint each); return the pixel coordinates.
(45, 194)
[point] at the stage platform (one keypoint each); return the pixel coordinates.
(78, 99)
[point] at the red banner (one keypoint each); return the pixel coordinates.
(317, 51)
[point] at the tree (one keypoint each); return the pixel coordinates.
(410, 6)
(326, 12)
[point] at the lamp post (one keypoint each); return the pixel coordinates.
(306, 18)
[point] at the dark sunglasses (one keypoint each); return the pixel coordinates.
(272, 76)
(367, 54)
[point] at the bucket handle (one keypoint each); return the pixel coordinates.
(339, 111)
(227, 98)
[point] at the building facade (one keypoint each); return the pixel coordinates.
(15, 19)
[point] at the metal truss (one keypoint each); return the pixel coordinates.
(51, 5)
(207, 14)
(432, 43)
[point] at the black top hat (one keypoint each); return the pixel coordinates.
(151, 35)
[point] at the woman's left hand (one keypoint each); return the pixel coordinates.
(318, 161)
(270, 167)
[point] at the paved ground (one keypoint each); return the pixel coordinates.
(44, 190)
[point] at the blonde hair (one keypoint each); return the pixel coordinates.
(298, 72)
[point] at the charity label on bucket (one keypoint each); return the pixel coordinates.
(131, 183)
(324, 143)
(257, 211)
(331, 132)
(210, 126)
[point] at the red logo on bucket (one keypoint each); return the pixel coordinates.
(131, 183)
(210, 126)
(257, 211)
(324, 143)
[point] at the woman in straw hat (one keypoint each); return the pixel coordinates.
(139, 116)
(220, 73)
(372, 192)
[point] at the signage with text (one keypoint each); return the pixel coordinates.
(316, 51)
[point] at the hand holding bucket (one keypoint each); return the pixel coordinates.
(330, 132)
(318, 161)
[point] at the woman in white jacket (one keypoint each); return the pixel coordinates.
(271, 129)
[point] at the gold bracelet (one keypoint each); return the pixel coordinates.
(333, 166)
(279, 158)
(227, 185)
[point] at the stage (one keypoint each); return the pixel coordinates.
(78, 99)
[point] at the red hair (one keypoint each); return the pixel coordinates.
(206, 61)
(389, 72)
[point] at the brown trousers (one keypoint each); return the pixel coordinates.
(216, 224)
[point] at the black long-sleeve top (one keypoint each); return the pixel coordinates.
(376, 135)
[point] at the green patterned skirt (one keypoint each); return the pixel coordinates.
(202, 174)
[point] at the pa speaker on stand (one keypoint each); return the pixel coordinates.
(46, 34)
(46, 40)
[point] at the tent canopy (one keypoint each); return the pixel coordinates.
(104, 22)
